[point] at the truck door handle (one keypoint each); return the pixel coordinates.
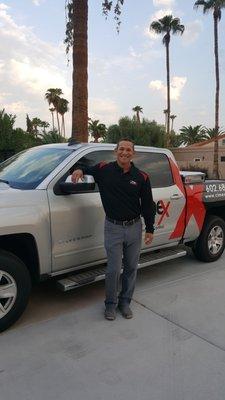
(176, 196)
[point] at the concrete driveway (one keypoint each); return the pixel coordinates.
(173, 348)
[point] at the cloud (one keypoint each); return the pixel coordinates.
(133, 53)
(161, 13)
(192, 31)
(177, 84)
(3, 6)
(35, 78)
(122, 63)
(159, 3)
(104, 109)
(17, 107)
(37, 2)
(28, 67)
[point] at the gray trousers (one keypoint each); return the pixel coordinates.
(121, 242)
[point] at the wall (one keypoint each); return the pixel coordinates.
(186, 159)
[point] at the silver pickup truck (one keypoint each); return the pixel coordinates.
(50, 227)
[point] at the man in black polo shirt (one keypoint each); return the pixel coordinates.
(126, 195)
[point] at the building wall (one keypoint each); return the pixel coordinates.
(200, 158)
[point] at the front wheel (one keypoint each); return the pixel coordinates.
(211, 242)
(15, 286)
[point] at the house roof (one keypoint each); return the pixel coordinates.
(204, 142)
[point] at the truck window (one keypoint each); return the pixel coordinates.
(94, 158)
(26, 170)
(157, 166)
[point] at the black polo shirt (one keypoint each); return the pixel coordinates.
(125, 196)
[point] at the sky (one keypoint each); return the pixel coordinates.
(125, 69)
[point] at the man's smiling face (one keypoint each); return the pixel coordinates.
(124, 152)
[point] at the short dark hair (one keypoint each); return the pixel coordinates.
(126, 139)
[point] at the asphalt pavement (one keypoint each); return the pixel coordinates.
(173, 348)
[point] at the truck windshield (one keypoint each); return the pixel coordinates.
(26, 170)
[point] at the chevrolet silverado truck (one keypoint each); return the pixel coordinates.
(53, 228)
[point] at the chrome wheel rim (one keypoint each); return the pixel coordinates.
(8, 293)
(215, 240)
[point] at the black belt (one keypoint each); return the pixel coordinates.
(124, 223)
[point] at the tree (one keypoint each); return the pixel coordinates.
(215, 6)
(44, 125)
(77, 39)
(175, 139)
(192, 134)
(62, 109)
(7, 122)
(52, 96)
(138, 110)
(96, 129)
(212, 133)
(29, 125)
(35, 123)
(149, 133)
(167, 25)
(13, 140)
(52, 137)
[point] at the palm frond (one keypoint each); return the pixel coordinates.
(156, 27)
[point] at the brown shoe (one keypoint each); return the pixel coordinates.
(125, 311)
(110, 312)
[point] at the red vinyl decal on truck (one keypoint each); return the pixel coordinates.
(194, 206)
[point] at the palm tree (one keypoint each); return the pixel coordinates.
(62, 109)
(172, 117)
(52, 137)
(138, 110)
(44, 125)
(212, 133)
(192, 134)
(77, 39)
(167, 25)
(96, 129)
(52, 96)
(215, 6)
(36, 123)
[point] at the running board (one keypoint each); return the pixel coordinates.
(97, 274)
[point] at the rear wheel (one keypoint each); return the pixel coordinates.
(211, 242)
(15, 286)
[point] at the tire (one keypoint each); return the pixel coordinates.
(13, 272)
(211, 242)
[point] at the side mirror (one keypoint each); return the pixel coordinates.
(68, 187)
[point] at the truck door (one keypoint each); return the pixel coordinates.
(77, 220)
(168, 194)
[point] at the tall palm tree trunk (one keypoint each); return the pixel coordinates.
(138, 118)
(57, 115)
(172, 124)
(80, 71)
(63, 126)
(165, 112)
(168, 94)
(216, 145)
(53, 123)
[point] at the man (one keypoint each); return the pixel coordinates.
(126, 195)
